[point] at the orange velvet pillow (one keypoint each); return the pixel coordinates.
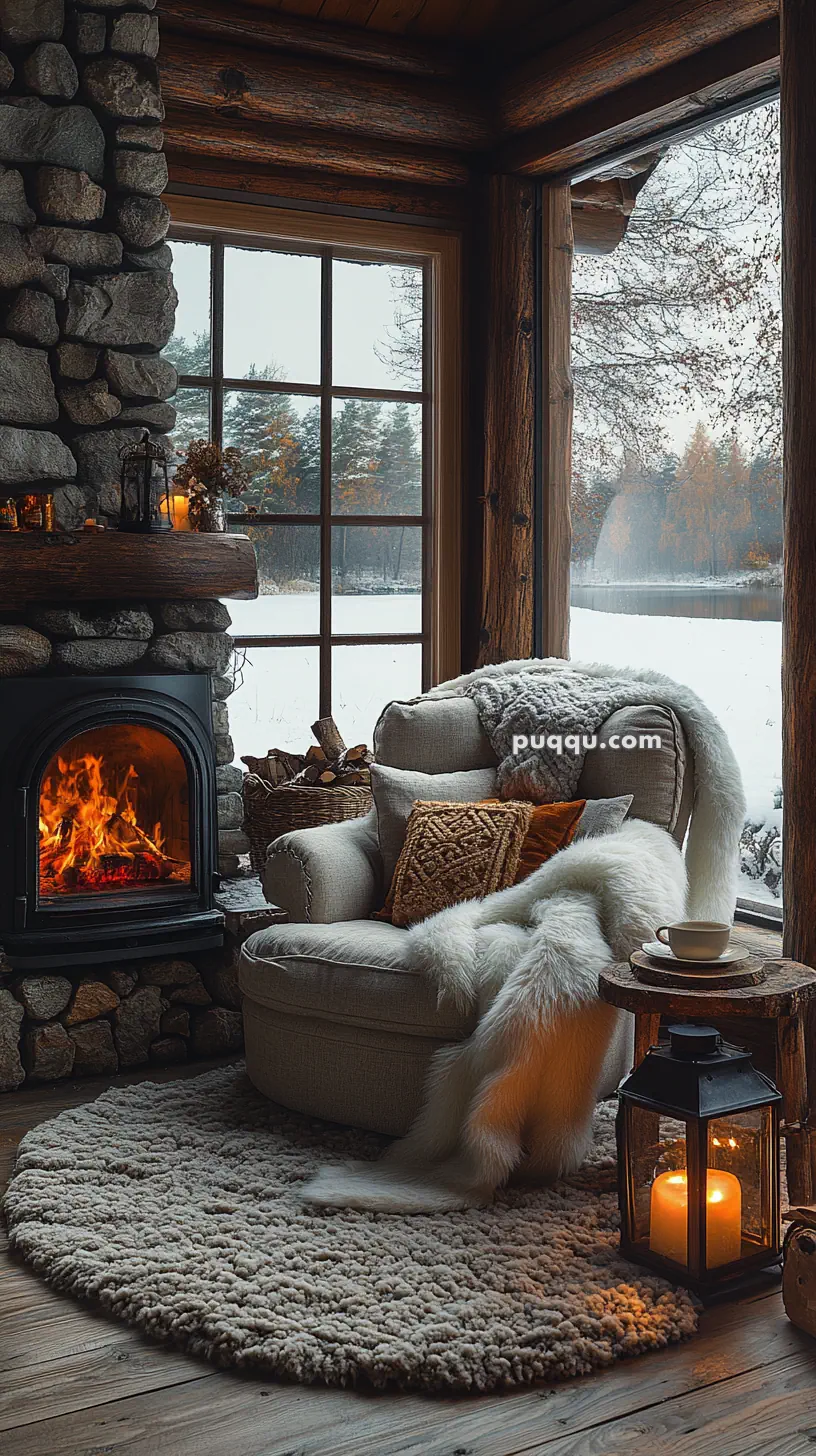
(552, 827)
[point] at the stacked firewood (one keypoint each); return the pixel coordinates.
(325, 764)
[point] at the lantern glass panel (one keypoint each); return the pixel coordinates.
(657, 1150)
(740, 1149)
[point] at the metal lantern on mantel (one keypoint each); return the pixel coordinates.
(698, 1162)
(145, 490)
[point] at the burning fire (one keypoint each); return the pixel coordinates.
(90, 836)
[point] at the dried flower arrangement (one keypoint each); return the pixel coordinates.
(208, 473)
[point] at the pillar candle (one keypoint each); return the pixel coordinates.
(181, 512)
(668, 1228)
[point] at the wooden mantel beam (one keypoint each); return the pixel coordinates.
(646, 37)
(305, 92)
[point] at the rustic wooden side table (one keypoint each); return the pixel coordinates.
(745, 1014)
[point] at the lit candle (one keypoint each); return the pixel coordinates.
(181, 512)
(668, 1228)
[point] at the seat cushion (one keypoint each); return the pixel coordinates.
(355, 974)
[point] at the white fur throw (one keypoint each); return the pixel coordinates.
(518, 1095)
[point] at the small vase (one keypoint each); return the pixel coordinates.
(207, 514)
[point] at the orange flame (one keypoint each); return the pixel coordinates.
(90, 836)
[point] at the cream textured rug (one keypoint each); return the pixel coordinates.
(176, 1207)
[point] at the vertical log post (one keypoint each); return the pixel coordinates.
(506, 629)
(556, 418)
(798, 112)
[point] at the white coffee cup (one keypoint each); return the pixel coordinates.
(696, 940)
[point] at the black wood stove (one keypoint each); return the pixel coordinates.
(107, 819)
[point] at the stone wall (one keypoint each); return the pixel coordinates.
(86, 294)
(118, 1017)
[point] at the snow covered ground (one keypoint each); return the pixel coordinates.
(733, 665)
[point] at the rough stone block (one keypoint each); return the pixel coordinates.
(97, 454)
(26, 388)
(224, 749)
(220, 717)
(135, 35)
(154, 260)
(70, 507)
(194, 993)
(73, 624)
(228, 865)
(89, 404)
(78, 247)
(89, 33)
(76, 361)
(172, 972)
(48, 1052)
(20, 261)
(222, 984)
(232, 841)
(50, 71)
(43, 997)
(32, 316)
(136, 1023)
(124, 89)
(230, 811)
(202, 616)
(192, 651)
(168, 1050)
(14, 207)
(229, 779)
(12, 1072)
(90, 999)
(54, 281)
(65, 136)
(146, 138)
(33, 455)
(140, 376)
(217, 1031)
(120, 4)
(126, 308)
(66, 196)
(101, 654)
(94, 1050)
(142, 222)
(122, 982)
(175, 1022)
(22, 651)
(6, 72)
(221, 687)
(144, 172)
(24, 21)
(158, 416)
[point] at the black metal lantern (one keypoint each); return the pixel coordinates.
(145, 490)
(698, 1162)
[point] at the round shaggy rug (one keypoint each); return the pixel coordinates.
(176, 1207)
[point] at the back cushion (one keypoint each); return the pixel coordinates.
(656, 776)
(432, 736)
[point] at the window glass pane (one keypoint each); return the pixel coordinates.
(271, 316)
(677, 476)
(377, 326)
(277, 700)
(280, 437)
(376, 579)
(189, 348)
(288, 604)
(192, 420)
(376, 458)
(364, 679)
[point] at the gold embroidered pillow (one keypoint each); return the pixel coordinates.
(455, 852)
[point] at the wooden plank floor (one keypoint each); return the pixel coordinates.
(74, 1383)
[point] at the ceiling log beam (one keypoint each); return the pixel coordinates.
(641, 40)
(256, 85)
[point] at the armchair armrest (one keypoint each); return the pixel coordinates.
(330, 873)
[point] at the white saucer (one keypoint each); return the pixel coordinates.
(660, 952)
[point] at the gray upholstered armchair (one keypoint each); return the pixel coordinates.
(337, 1023)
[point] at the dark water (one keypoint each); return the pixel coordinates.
(742, 604)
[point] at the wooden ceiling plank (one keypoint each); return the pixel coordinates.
(394, 16)
(353, 12)
(304, 91)
(643, 39)
(694, 87)
(245, 23)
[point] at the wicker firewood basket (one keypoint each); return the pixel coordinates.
(271, 810)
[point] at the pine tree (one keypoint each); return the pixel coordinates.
(191, 357)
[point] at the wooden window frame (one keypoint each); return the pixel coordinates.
(439, 254)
